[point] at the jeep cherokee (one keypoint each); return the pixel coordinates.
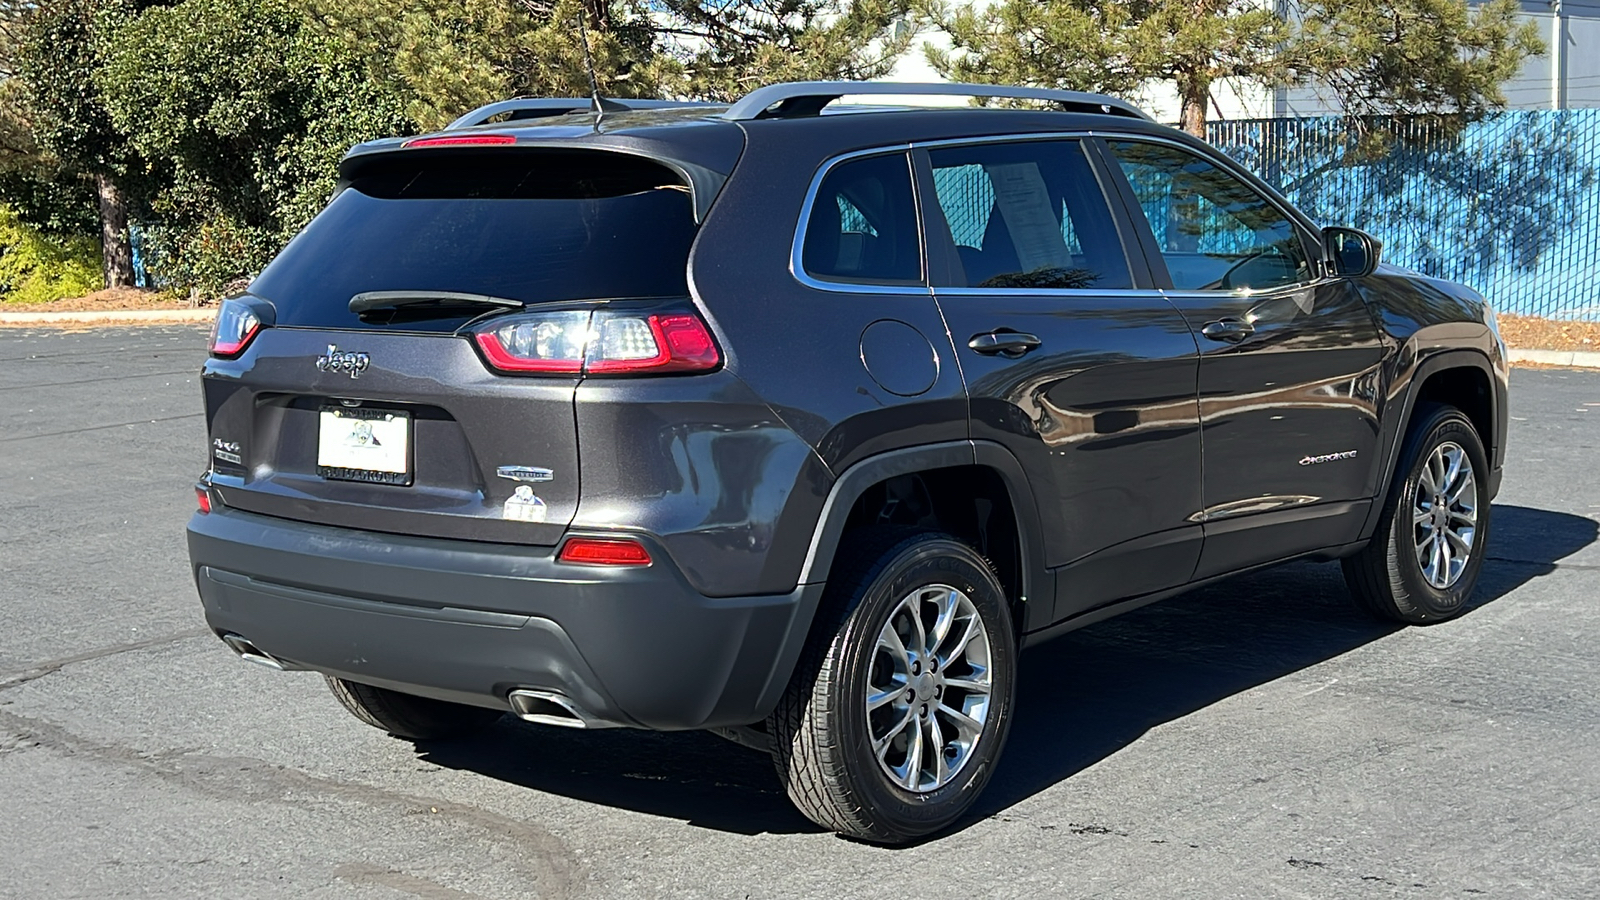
(796, 421)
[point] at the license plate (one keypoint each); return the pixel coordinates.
(358, 444)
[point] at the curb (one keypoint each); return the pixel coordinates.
(108, 316)
(1578, 359)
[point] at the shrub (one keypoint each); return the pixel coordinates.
(37, 268)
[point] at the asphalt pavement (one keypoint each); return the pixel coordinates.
(1255, 739)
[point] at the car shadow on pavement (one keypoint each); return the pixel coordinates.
(1089, 693)
(1082, 697)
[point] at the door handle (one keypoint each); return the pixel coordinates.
(1231, 330)
(1010, 344)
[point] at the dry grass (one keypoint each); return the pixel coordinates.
(1533, 333)
(111, 299)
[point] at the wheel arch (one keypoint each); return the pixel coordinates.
(1465, 379)
(1033, 586)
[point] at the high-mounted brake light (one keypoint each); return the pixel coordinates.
(461, 140)
(235, 327)
(605, 342)
(604, 552)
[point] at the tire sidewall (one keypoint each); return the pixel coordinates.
(1445, 425)
(931, 560)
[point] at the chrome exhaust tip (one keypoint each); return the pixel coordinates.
(251, 653)
(551, 708)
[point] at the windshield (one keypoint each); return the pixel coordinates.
(528, 225)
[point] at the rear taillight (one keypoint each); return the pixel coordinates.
(604, 552)
(236, 325)
(202, 499)
(605, 342)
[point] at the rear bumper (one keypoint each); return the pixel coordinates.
(470, 622)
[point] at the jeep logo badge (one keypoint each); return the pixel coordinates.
(336, 360)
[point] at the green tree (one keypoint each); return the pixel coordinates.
(249, 110)
(448, 56)
(1375, 56)
(66, 119)
(730, 48)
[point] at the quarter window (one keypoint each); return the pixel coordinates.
(1028, 214)
(1215, 232)
(863, 224)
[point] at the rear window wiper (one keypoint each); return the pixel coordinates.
(371, 301)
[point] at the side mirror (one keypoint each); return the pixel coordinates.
(1349, 253)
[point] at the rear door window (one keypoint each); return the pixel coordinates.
(863, 224)
(1028, 214)
(533, 226)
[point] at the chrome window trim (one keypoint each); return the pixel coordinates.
(796, 251)
(1294, 216)
(797, 267)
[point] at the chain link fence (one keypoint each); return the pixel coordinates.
(1510, 205)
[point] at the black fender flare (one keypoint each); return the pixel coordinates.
(1394, 439)
(864, 474)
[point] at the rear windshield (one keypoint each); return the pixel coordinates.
(528, 225)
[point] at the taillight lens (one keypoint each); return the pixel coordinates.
(202, 499)
(604, 342)
(462, 140)
(604, 552)
(235, 327)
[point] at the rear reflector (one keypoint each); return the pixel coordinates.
(604, 552)
(461, 140)
(203, 499)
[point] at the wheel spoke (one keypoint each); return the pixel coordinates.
(969, 685)
(1462, 543)
(961, 645)
(1425, 548)
(949, 605)
(880, 746)
(921, 630)
(1441, 560)
(1453, 462)
(963, 721)
(1467, 487)
(1469, 516)
(941, 769)
(914, 757)
(889, 639)
(1421, 514)
(885, 697)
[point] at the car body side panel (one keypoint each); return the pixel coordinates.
(705, 466)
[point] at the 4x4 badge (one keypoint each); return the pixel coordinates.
(349, 361)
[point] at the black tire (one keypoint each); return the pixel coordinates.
(821, 740)
(1386, 578)
(407, 716)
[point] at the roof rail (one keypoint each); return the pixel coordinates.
(540, 107)
(807, 98)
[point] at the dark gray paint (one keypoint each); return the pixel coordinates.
(740, 481)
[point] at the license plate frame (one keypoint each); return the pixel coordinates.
(358, 443)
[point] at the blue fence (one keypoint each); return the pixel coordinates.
(1510, 205)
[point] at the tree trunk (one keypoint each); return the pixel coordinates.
(116, 249)
(1193, 92)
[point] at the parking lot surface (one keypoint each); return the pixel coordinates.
(1254, 739)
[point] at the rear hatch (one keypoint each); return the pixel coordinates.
(387, 417)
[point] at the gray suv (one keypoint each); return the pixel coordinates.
(796, 420)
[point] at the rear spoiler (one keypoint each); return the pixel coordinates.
(704, 184)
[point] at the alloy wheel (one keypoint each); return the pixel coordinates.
(928, 688)
(1444, 515)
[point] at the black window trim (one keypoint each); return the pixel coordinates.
(1304, 227)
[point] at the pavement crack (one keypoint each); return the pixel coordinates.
(50, 666)
(29, 437)
(552, 869)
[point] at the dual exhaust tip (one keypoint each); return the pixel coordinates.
(543, 707)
